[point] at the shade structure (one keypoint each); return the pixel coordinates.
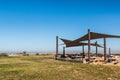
(94, 35)
(88, 37)
(70, 43)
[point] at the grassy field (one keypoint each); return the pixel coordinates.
(45, 68)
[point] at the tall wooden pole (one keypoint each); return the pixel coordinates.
(109, 51)
(104, 49)
(63, 51)
(96, 49)
(89, 45)
(56, 46)
(83, 53)
(83, 49)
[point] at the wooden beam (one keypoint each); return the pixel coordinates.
(104, 49)
(89, 45)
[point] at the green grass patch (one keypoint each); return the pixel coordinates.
(45, 68)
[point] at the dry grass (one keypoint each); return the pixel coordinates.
(45, 68)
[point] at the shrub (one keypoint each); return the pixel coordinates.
(3, 54)
(37, 54)
(24, 53)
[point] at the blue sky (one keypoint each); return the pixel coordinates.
(31, 25)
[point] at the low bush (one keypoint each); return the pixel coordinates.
(3, 54)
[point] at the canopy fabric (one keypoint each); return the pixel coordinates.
(94, 35)
(70, 43)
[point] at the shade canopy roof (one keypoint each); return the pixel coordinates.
(70, 43)
(94, 35)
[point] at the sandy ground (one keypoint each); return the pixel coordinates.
(105, 64)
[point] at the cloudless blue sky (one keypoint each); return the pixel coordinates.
(31, 25)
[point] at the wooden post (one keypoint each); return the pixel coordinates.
(83, 49)
(63, 51)
(109, 51)
(96, 49)
(89, 45)
(104, 49)
(83, 53)
(56, 46)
